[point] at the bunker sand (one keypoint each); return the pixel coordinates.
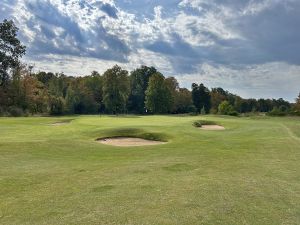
(211, 127)
(128, 141)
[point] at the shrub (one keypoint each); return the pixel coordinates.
(200, 123)
(295, 113)
(15, 111)
(277, 112)
(225, 108)
(233, 113)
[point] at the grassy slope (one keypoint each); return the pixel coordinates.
(247, 174)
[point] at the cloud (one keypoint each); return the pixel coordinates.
(234, 39)
(255, 81)
(51, 27)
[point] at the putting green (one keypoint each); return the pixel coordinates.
(248, 173)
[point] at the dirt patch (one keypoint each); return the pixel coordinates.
(128, 141)
(211, 127)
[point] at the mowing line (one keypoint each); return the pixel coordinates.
(291, 133)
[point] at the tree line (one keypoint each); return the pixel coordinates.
(144, 90)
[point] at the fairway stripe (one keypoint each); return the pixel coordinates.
(291, 133)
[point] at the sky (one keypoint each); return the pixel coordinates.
(249, 47)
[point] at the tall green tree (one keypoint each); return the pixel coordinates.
(201, 97)
(264, 105)
(116, 88)
(139, 79)
(183, 101)
(11, 50)
(158, 95)
(173, 86)
(94, 83)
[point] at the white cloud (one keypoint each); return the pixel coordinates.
(79, 36)
(76, 65)
(257, 81)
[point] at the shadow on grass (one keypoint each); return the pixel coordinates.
(134, 133)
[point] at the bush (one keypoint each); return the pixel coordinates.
(278, 112)
(225, 108)
(295, 113)
(233, 113)
(200, 123)
(15, 111)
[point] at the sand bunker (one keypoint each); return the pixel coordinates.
(128, 141)
(211, 127)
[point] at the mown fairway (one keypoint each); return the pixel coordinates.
(247, 174)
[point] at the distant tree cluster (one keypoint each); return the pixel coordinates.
(142, 91)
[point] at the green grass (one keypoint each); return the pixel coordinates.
(246, 174)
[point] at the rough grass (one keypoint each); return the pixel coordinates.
(248, 174)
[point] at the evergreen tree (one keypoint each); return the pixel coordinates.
(201, 97)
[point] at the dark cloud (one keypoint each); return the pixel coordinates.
(111, 11)
(273, 32)
(183, 35)
(96, 42)
(177, 47)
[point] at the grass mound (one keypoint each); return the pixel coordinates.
(134, 133)
(200, 123)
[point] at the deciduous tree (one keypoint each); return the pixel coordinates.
(115, 90)
(158, 95)
(11, 50)
(139, 79)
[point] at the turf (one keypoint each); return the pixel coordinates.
(246, 174)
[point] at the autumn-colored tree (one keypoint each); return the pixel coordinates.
(218, 95)
(297, 105)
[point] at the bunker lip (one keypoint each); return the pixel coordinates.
(128, 141)
(212, 127)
